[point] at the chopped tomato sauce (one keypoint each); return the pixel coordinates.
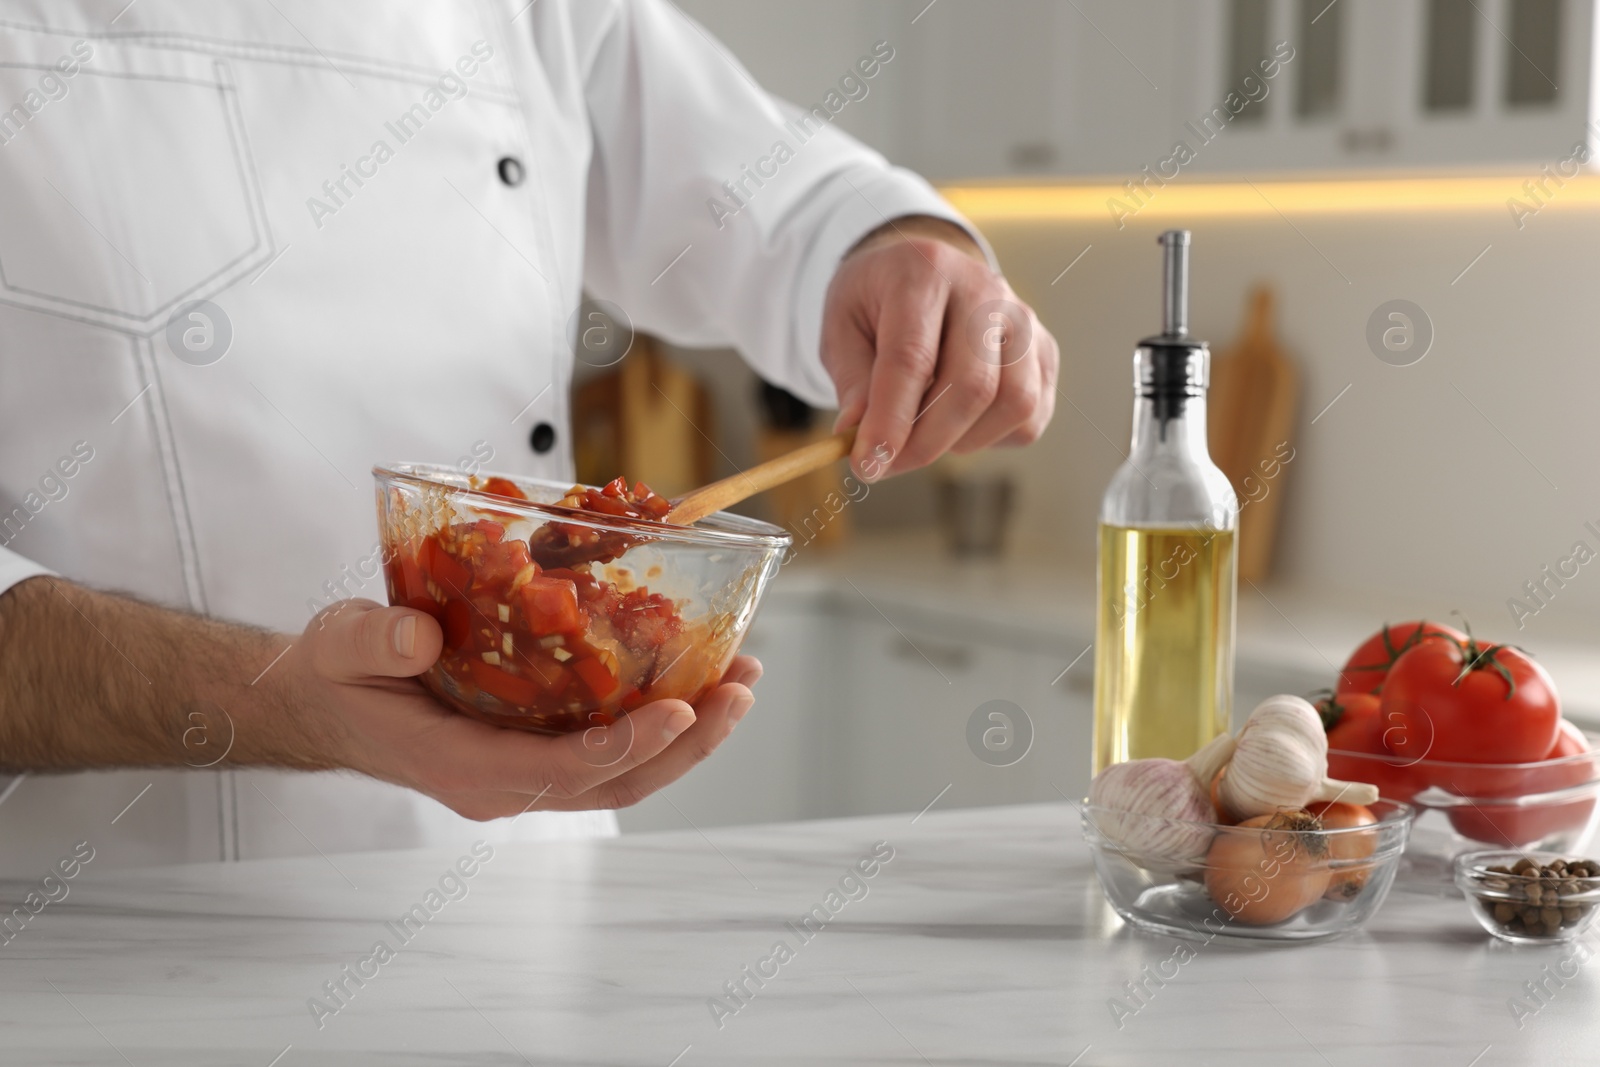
(565, 544)
(531, 625)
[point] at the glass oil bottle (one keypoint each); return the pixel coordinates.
(1163, 677)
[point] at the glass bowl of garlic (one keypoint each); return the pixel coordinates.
(1284, 876)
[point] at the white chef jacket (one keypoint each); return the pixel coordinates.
(340, 182)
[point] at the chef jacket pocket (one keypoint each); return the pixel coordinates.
(128, 180)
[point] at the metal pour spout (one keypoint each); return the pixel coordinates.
(1175, 283)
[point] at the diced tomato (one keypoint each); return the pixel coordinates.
(550, 606)
(529, 606)
(503, 487)
(601, 682)
(500, 563)
(457, 623)
(589, 590)
(551, 675)
(443, 568)
(613, 507)
(648, 502)
(508, 687)
(426, 603)
(565, 574)
(492, 532)
(645, 620)
(466, 540)
(406, 573)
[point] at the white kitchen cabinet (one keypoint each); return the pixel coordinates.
(1012, 88)
(867, 699)
(1400, 83)
(862, 712)
(972, 88)
(767, 770)
(908, 684)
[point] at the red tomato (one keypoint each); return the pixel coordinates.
(565, 645)
(1472, 703)
(1570, 741)
(645, 620)
(446, 571)
(424, 603)
(457, 623)
(1369, 664)
(502, 487)
(480, 529)
(499, 563)
(601, 682)
(523, 692)
(552, 676)
(406, 572)
(1352, 722)
(1510, 826)
(551, 606)
(1356, 752)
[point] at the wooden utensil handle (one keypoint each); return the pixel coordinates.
(694, 506)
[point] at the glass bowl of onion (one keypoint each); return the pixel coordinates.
(1288, 876)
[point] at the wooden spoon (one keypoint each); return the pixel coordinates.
(697, 504)
(553, 546)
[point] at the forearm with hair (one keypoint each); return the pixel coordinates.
(95, 680)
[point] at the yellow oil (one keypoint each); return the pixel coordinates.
(1163, 669)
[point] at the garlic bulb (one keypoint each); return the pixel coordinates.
(1158, 810)
(1280, 760)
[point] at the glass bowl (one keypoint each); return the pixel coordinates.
(1272, 884)
(1547, 804)
(558, 649)
(1524, 909)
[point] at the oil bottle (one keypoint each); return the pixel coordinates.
(1163, 672)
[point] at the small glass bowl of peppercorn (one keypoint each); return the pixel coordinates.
(1530, 898)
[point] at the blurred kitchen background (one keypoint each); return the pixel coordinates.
(1425, 151)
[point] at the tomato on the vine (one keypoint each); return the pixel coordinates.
(1356, 750)
(1352, 722)
(1369, 665)
(1463, 701)
(1518, 826)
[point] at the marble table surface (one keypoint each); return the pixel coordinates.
(981, 937)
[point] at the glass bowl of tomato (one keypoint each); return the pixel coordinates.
(565, 607)
(1547, 804)
(1283, 877)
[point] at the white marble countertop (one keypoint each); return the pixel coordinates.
(984, 940)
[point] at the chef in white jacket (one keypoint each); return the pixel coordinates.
(249, 249)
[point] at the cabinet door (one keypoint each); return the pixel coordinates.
(765, 771)
(1397, 83)
(1493, 81)
(1061, 701)
(981, 88)
(938, 708)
